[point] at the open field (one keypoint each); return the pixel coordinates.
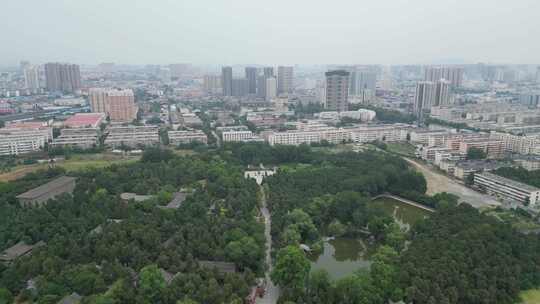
(530, 296)
(74, 163)
(437, 183)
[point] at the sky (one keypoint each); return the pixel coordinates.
(270, 32)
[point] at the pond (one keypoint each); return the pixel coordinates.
(343, 256)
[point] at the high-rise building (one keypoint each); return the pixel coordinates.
(452, 74)
(240, 87)
(31, 77)
(362, 80)
(285, 79)
(62, 77)
(268, 72)
(424, 98)
(442, 93)
(251, 76)
(337, 90)
(538, 74)
(261, 86)
(211, 83)
(226, 80)
(119, 105)
(271, 88)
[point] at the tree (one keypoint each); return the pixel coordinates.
(151, 283)
(291, 269)
(476, 153)
(5, 296)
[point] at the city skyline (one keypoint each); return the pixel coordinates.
(304, 33)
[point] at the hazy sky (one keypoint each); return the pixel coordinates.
(272, 32)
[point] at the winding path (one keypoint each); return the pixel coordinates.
(272, 291)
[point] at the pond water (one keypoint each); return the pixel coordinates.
(343, 256)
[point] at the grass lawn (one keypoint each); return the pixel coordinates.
(334, 149)
(74, 163)
(401, 148)
(531, 296)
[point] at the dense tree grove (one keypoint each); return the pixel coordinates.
(519, 174)
(110, 251)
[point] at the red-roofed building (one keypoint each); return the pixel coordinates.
(26, 125)
(85, 120)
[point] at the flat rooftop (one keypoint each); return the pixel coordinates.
(46, 188)
(84, 120)
(510, 182)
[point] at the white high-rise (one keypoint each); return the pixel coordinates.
(271, 88)
(425, 97)
(31, 77)
(442, 93)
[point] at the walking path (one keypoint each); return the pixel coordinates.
(272, 291)
(405, 201)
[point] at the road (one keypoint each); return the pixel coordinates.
(272, 291)
(437, 183)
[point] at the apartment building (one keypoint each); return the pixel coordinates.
(518, 144)
(507, 189)
(428, 153)
(119, 105)
(14, 141)
(529, 162)
(186, 137)
(422, 136)
(239, 136)
(83, 138)
(332, 135)
(388, 133)
(493, 148)
(132, 136)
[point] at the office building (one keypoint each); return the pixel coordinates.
(337, 90)
(251, 76)
(452, 74)
(271, 88)
(62, 77)
(285, 79)
(424, 97)
(118, 105)
(227, 80)
(31, 77)
(507, 189)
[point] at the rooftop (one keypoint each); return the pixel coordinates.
(510, 182)
(84, 120)
(18, 250)
(46, 188)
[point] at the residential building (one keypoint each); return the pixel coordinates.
(62, 77)
(84, 138)
(186, 137)
(240, 87)
(271, 88)
(528, 162)
(337, 90)
(467, 167)
(520, 144)
(362, 81)
(268, 72)
(45, 192)
(424, 97)
(422, 136)
(442, 93)
(31, 77)
(386, 133)
(226, 80)
(118, 105)
(251, 76)
(285, 79)
(212, 84)
(428, 153)
(331, 135)
(452, 74)
(14, 141)
(507, 189)
(236, 136)
(18, 250)
(132, 136)
(493, 148)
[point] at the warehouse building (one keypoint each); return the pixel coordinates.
(50, 190)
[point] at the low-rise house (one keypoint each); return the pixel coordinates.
(18, 250)
(50, 190)
(128, 196)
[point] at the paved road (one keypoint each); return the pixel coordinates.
(272, 292)
(437, 183)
